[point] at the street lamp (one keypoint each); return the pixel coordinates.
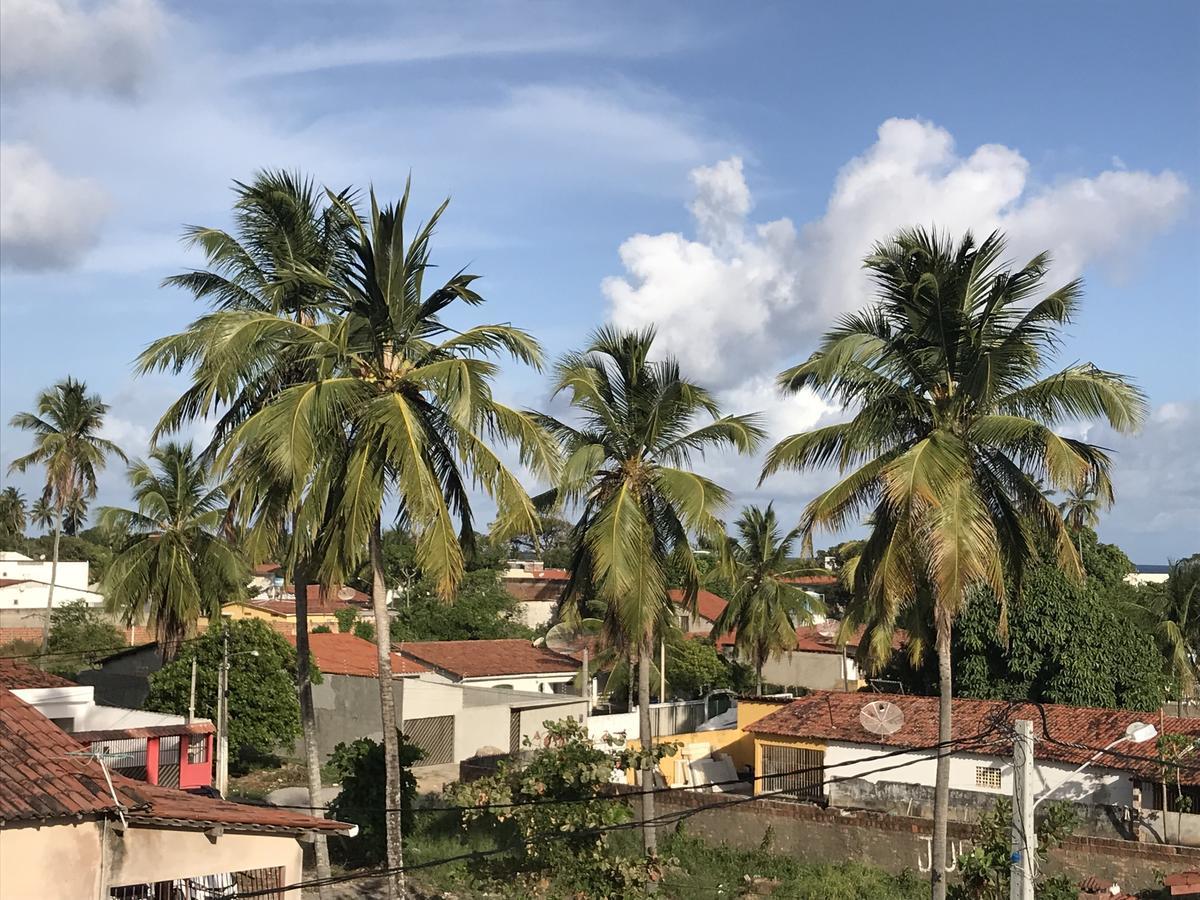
(1136, 733)
(223, 713)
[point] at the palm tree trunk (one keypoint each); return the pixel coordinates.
(308, 723)
(649, 836)
(941, 794)
(53, 579)
(393, 794)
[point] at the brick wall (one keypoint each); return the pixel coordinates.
(896, 843)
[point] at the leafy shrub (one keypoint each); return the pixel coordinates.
(552, 837)
(986, 869)
(346, 618)
(365, 630)
(359, 766)
(322, 629)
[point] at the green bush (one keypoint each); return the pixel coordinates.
(359, 766)
(365, 630)
(346, 618)
(322, 629)
(79, 636)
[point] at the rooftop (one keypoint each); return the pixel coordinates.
(15, 675)
(708, 604)
(348, 654)
(982, 726)
(485, 659)
(47, 775)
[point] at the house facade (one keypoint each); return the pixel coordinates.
(537, 589)
(511, 664)
(277, 607)
(72, 830)
(449, 721)
(157, 748)
(816, 748)
(25, 583)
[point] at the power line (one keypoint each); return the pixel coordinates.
(945, 749)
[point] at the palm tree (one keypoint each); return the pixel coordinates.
(75, 514)
(41, 514)
(68, 445)
(628, 469)
(1081, 511)
(393, 404)
(1174, 613)
(764, 607)
(177, 564)
(952, 426)
(282, 224)
(12, 512)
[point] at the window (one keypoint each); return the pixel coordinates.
(197, 749)
(795, 772)
(987, 777)
(684, 623)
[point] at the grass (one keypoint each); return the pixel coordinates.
(695, 869)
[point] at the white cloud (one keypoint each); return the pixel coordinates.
(88, 47)
(47, 219)
(742, 298)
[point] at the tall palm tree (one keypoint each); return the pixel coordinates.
(1081, 511)
(1174, 614)
(952, 425)
(394, 405)
(177, 564)
(282, 224)
(764, 605)
(627, 468)
(75, 514)
(12, 512)
(41, 514)
(67, 443)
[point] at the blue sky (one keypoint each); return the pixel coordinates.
(716, 170)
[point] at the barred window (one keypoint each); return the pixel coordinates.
(987, 777)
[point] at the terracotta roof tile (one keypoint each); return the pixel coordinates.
(45, 777)
(827, 715)
(15, 675)
(483, 659)
(347, 654)
(823, 638)
(708, 605)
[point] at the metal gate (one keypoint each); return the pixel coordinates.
(435, 736)
(797, 772)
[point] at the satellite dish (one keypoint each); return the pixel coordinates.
(570, 638)
(881, 717)
(345, 593)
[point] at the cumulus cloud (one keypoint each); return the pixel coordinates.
(47, 219)
(742, 298)
(89, 47)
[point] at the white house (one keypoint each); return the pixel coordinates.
(514, 664)
(835, 739)
(1148, 574)
(25, 582)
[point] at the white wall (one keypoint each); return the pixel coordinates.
(536, 684)
(71, 574)
(77, 703)
(1099, 786)
(615, 724)
(536, 613)
(32, 595)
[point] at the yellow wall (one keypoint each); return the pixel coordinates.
(750, 711)
(242, 611)
(779, 741)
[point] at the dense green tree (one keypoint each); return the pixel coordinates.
(1066, 643)
(264, 714)
(1172, 612)
(359, 767)
(12, 513)
(481, 610)
(68, 445)
(694, 667)
(954, 420)
(177, 564)
(79, 636)
(628, 468)
(764, 607)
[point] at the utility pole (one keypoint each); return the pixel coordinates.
(1024, 837)
(223, 718)
(662, 671)
(587, 682)
(192, 695)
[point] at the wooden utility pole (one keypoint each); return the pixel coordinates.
(1024, 837)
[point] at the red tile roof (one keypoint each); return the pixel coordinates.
(45, 777)
(9, 582)
(267, 568)
(348, 654)
(823, 638)
(828, 715)
(15, 675)
(484, 659)
(144, 731)
(813, 581)
(708, 605)
(1183, 884)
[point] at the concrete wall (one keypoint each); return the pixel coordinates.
(896, 843)
(71, 574)
(124, 680)
(536, 613)
(534, 684)
(77, 709)
(347, 708)
(66, 862)
(1096, 786)
(816, 671)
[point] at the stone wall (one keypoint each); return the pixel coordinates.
(895, 843)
